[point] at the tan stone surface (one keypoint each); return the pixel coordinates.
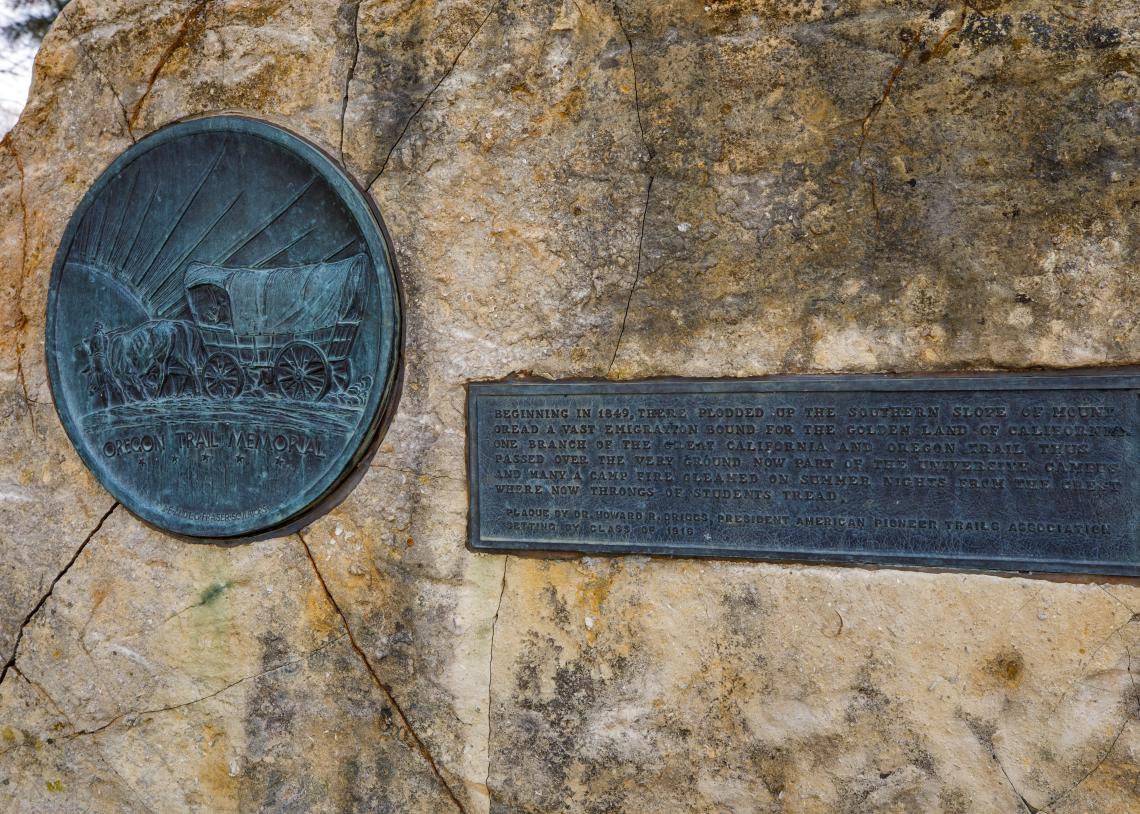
(578, 188)
(644, 685)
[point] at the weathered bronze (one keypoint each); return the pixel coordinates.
(1033, 472)
(224, 329)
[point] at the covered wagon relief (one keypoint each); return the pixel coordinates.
(285, 332)
(224, 329)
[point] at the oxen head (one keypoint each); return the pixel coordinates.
(84, 358)
(85, 364)
(88, 359)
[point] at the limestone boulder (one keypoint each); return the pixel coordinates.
(609, 189)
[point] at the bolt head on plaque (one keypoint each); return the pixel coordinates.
(224, 329)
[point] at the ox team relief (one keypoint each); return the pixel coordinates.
(224, 329)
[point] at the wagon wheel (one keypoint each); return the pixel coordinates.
(301, 372)
(222, 377)
(341, 374)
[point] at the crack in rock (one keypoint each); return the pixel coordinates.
(22, 318)
(1100, 762)
(649, 152)
(423, 104)
(1118, 600)
(411, 738)
(490, 671)
(134, 792)
(1112, 745)
(195, 13)
(636, 274)
(47, 697)
(412, 472)
(1132, 681)
(10, 143)
(934, 52)
(351, 72)
(940, 47)
(35, 685)
(1028, 806)
(1091, 771)
(910, 41)
(873, 111)
(869, 118)
(102, 756)
(1096, 651)
(873, 188)
(28, 401)
(215, 590)
(208, 696)
(43, 599)
(131, 716)
(65, 19)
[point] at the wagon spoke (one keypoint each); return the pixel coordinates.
(222, 376)
(301, 372)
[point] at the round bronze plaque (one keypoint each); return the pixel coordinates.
(224, 329)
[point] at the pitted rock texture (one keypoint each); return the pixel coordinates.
(590, 189)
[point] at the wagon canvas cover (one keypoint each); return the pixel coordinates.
(280, 300)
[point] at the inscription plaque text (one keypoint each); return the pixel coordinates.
(1015, 472)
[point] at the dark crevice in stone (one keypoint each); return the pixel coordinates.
(103, 758)
(1112, 745)
(43, 599)
(636, 274)
(1104, 643)
(431, 93)
(22, 321)
(413, 473)
(351, 72)
(29, 402)
(1025, 803)
(490, 671)
(208, 696)
(869, 119)
(410, 737)
(127, 123)
(35, 685)
(648, 155)
(134, 792)
(196, 13)
(1118, 600)
(649, 152)
(910, 42)
(872, 188)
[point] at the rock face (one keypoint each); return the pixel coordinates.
(590, 189)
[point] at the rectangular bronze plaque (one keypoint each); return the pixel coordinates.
(1027, 472)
